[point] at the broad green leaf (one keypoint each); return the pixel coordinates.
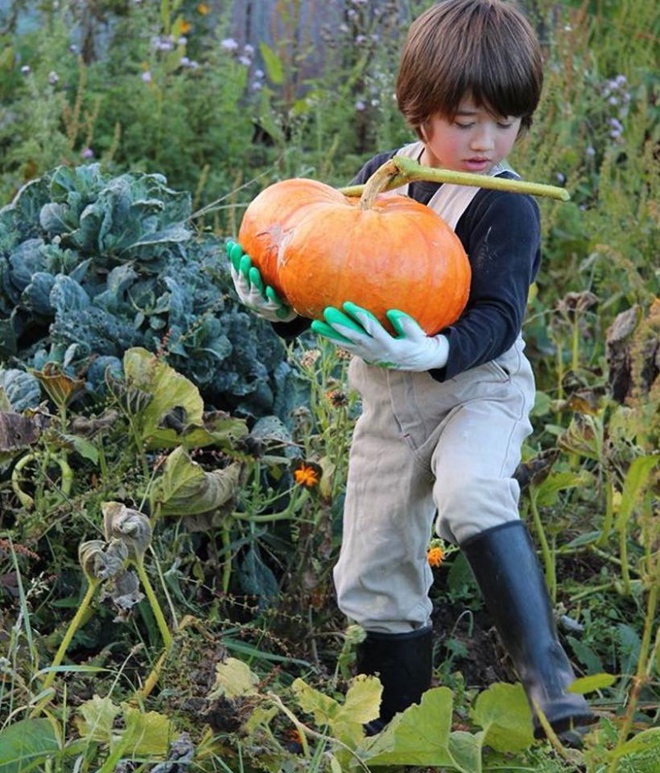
(26, 744)
(503, 712)
(186, 489)
(587, 684)
(465, 749)
(234, 679)
(634, 487)
(418, 736)
(362, 702)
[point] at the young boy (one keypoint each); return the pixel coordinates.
(444, 417)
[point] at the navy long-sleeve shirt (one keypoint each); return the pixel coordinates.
(501, 234)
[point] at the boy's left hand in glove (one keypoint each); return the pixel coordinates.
(359, 332)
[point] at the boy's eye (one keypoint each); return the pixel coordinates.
(464, 125)
(505, 124)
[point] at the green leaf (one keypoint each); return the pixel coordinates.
(466, 749)
(634, 486)
(647, 740)
(273, 64)
(587, 684)
(503, 712)
(84, 447)
(586, 656)
(546, 493)
(147, 733)
(418, 736)
(26, 744)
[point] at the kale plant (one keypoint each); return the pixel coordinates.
(92, 265)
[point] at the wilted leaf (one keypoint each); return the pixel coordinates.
(97, 718)
(186, 489)
(147, 733)
(234, 679)
(169, 389)
(347, 719)
(129, 526)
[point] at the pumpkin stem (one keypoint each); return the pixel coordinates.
(385, 178)
(399, 170)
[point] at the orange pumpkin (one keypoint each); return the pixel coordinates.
(318, 248)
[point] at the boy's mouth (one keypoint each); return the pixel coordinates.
(477, 164)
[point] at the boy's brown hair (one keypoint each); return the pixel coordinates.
(483, 49)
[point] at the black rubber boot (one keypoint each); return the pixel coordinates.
(513, 587)
(404, 664)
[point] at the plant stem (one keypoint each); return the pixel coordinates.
(399, 171)
(70, 632)
(608, 520)
(548, 561)
(623, 552)
(155, 606)
(226, 567)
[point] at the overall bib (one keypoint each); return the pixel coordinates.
(424, 448)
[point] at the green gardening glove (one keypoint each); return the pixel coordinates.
(259, 298)
(359, 332)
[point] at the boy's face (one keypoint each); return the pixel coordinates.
(473, 141)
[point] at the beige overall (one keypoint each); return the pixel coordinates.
(422, 446)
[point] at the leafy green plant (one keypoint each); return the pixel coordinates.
(92, 265)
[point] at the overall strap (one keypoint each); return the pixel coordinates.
(450, 201)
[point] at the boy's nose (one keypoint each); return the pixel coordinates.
(482, 140)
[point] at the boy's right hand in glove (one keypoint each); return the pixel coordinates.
(249, 286)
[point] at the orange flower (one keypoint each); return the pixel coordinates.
(203, 9)
(307, 474)
(337, 398)
(185, 27)
(435, 555)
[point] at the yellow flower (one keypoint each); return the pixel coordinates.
(435, 556)
(307, 474)
(203, 9)
(185, 27)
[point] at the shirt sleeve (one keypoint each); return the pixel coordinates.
(501, 234)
